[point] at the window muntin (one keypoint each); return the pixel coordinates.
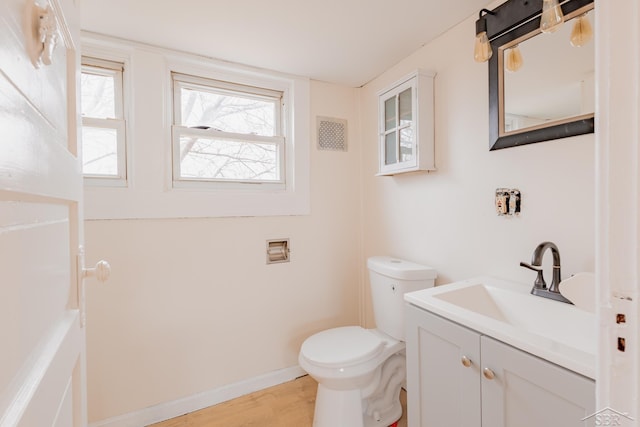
(226, 132)
(103, 124)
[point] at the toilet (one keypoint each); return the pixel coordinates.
(360, 371)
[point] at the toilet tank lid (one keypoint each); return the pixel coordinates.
(400, 269)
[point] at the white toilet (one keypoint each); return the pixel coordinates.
(360, 371)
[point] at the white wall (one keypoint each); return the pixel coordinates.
(446, 218)
(191, 305)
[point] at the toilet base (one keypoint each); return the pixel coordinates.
(344, 408)
(337, 408)
(382, 408)
(379, 407)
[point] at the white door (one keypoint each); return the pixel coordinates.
(42, 340)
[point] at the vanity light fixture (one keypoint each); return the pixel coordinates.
(514, 59)
(482, 50)
(552, 16)
(582, 32)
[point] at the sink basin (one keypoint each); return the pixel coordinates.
(504, 310)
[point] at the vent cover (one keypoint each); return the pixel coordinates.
(332, 134)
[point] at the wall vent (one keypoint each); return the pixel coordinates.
(332, 134)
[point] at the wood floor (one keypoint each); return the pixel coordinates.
(285, 405)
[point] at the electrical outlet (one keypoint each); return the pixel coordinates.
(507, 201)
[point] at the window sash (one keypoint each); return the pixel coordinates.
(213, 134)
(108, 69)
(120, 127)
(218, 87)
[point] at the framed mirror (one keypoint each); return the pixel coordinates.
(552, 94)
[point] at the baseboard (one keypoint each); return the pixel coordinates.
(165, 411)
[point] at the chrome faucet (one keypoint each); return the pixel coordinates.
(539, 285)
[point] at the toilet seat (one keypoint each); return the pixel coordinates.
(342, 347)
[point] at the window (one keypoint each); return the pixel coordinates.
(103, 124)
(227, 133)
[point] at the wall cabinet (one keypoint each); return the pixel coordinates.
(406, 134)
(458, 377)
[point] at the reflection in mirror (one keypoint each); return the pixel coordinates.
(553, 81)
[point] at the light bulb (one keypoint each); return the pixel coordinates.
(552, 16)
(514, 59)
(582, 33)
(482, 50)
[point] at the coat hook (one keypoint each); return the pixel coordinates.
(47, 33)
(41, 32)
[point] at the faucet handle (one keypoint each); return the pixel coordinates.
(539, 282)
(537, 268)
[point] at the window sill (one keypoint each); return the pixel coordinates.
(127, 203)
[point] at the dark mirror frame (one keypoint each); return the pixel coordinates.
(504, 26)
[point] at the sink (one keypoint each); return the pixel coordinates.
(505, 310)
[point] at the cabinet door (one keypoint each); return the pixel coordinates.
(398, 127)
(530, 392)
(441, 390)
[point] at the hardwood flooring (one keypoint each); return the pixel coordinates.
(285, 405)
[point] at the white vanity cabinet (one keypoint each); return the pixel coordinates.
(457, 377)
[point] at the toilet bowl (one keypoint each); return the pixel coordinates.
(360, 371)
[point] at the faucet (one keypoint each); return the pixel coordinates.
(539, 285)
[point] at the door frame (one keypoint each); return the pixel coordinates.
(617, 255)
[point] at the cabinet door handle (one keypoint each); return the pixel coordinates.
(488, 373)
(466, 362)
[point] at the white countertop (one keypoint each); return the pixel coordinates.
(558, 332)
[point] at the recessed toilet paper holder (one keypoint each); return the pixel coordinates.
(278, 251)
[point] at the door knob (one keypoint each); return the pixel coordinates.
(466, 362)
(101, 271)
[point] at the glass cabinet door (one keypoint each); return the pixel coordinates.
(390, 131)
(399, 142)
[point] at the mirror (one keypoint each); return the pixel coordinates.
(552, 94)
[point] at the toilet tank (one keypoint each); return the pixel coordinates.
(390, 278)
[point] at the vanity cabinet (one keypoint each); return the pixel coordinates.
(406, 133)
(457, 377)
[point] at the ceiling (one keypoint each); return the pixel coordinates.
(348, 42)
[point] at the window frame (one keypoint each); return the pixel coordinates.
(180, 81)
(115, 69)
